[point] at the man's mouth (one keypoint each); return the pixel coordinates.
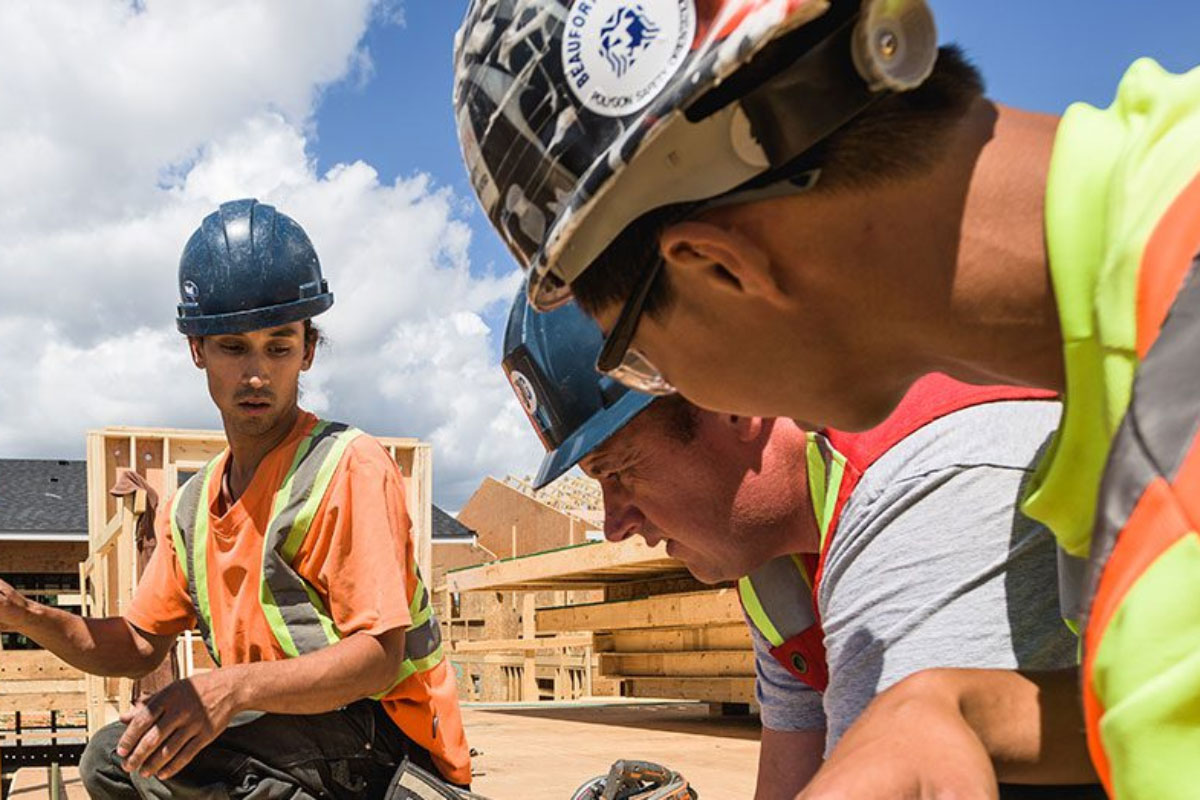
(254, 405)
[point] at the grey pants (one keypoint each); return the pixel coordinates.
(347, 753)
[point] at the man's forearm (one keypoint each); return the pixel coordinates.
(787, 761)
(1031, 724)
(359, 666)
(100, 646)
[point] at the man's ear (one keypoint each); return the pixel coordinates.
(724, 257)
(310, 353)
(747, 428)
(196, 347)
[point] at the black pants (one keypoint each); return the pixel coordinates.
(349, 753)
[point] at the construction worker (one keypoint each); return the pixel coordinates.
(798, 207)
(291, 552)
(905, 538)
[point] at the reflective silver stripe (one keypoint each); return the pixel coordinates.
(1158, 430)
(784, 595)
(300, 608)
(1072, 585)
(187, 507)
(421, 641)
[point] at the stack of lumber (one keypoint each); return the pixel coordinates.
(658, 632)
(691, 646)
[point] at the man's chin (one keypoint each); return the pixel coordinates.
(254, 424)
(707, 573)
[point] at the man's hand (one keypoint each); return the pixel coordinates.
(907, 747)
(13, 607)
(165, 733)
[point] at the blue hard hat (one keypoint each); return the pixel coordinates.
(248, 267)
(550, 360)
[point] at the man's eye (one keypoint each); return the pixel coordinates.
(231, 348)
(280, 351)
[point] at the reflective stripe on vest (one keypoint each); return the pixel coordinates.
(777, 597)
(293, 608)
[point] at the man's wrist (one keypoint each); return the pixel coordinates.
(36, 620)
(239, 687)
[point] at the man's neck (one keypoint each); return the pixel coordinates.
(1001, 323)
(246, 452)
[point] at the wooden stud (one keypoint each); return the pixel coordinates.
(672, 610)
(700, 664)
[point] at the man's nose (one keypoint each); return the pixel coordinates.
(621, 519)
(255, 376)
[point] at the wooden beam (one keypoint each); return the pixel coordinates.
(517, 660)
(38, 701)
(25, 686)
(701, 664)
(732, 636)
(590, 565)
(511, 645)
(663, 611)
(711, 690)
(34, 665)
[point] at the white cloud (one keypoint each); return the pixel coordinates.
(120, 128)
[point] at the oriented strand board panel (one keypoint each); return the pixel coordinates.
(41, 557)
(586, 566)
(695, 609)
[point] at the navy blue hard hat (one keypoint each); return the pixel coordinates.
(248, 267)
(550, 360)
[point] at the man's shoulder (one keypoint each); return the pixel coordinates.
(1004, 434)
(364, 452)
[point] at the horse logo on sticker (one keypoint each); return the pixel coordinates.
(626, 34)
(619, 55)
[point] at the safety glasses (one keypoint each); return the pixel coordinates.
(625, 363)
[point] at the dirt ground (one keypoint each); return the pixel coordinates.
(545, 751)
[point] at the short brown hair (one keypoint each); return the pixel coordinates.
(899, 136)
(678, 417)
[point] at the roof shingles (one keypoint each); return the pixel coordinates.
(43, 497)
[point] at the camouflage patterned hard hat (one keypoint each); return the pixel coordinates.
(576, 117)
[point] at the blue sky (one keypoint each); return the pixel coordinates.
(122, 125)
(1037, 54)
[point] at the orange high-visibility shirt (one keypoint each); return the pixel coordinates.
(359, 558)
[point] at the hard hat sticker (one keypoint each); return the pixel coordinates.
(525, 393)
(618, 55)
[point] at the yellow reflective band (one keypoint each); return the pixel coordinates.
(304, 519)
(803, 570)
(410, 667)
(177, 536)
(755, 611)
(200, 557)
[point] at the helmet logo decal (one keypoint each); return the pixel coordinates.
(626, 33)
(191, 291)
(618, 55)
(525, 393)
